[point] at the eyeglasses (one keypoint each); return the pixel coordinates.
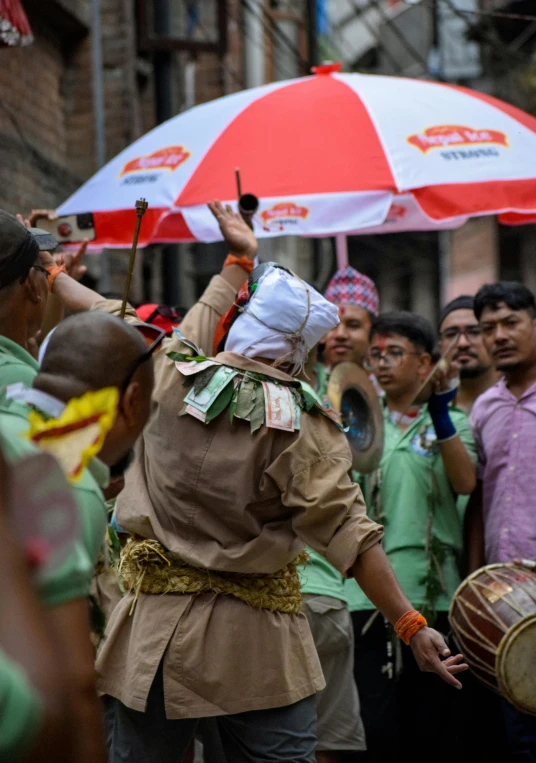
(154, 337)
(41, 268)
(471, 333)
(391, 357)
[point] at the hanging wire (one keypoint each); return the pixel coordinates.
(272, 30)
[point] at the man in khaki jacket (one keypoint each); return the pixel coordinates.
(222, 500)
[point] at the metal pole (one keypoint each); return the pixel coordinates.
(98, 88)
(254, 43)
(163, 80)
(312, 32)
(341, 247)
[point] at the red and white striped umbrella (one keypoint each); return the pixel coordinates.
(14, 26)
(326, 154)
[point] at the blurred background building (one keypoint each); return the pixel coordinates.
(100, 73)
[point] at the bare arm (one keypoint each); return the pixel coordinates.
(70, 623)
(375, 576)
(459, 467)
(474, 531)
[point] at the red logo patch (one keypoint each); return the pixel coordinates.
(444, 136)
(164, 159)
(284, 210)
(396, 212)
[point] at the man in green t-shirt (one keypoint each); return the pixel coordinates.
(340, 728)
(24, 292)
(76, 362)
(428, 460)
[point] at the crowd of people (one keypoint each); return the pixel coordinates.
(191, 565)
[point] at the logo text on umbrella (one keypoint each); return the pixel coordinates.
(442, 136)
(168, 158)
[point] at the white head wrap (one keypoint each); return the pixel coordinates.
(283, 321)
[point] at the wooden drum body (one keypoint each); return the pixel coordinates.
(493, 617)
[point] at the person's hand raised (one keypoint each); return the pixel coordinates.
(73, 261)
(238, 235)
(41, 214)
(428, 647)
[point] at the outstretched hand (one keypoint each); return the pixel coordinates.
(73, 261)
(428, 647)
(238, 235)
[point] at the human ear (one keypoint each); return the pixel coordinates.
(425, 363)
(130, 403)
(32, 287)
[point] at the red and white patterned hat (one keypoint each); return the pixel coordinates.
(349, 287)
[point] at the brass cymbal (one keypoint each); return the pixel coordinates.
(352, 394)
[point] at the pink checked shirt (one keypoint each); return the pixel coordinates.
(505, 433)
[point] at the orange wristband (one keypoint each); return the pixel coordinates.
(408, 625)
(244, 262)
(53, 272)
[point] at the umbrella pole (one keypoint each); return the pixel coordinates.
(341, 248)
(141, 208)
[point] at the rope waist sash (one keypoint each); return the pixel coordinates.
(147, 567)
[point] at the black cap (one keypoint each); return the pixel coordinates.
(18, 249)
(12, 234)
(45, 240)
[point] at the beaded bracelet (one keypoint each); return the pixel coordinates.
(408, 625)
(53, 272)
(244, 262)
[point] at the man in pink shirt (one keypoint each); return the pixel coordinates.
(500, 518)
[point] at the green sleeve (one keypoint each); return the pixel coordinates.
(14, 372)
(20, 711)
(70, 581)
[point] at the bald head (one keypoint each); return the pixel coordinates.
(90, 351)
(94, 350)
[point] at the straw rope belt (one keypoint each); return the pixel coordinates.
(147, 567)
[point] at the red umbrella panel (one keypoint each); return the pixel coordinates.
(14, 26)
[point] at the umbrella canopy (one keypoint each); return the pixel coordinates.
(14, 27)
(331, 153)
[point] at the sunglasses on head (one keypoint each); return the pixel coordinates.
(153, 337)
(171, 313)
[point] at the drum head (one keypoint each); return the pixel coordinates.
(516, 665)
(351, 393)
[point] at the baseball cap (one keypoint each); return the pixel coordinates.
(18, 249)
(45, 240)
(163, 316)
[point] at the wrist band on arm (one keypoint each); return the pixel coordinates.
(53, 272)
(439, 410)
(244, 262)
(408, 625)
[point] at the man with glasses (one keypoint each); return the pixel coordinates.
(459, 330)
(501, 512)
(340, 727)
(428, 459)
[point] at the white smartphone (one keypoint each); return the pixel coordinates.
(70, 228)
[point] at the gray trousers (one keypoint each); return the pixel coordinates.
(279, 735)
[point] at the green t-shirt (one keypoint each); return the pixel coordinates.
(16, 365)
(412, 475)
(73, 579)
(20, 711)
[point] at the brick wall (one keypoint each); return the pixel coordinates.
(47, 136)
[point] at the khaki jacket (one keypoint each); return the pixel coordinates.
(223, 499)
